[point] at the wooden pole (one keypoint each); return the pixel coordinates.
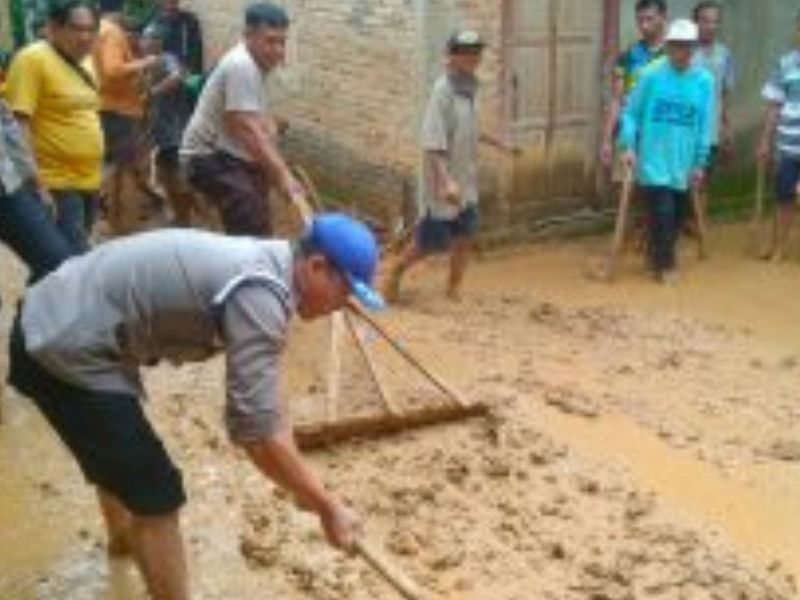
(391, 573)
(410, 358)
(699, 207)
(620, 225)
(334, 367)
(371, 366)
(758, 209)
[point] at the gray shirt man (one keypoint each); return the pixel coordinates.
(16, 161)
(175, 295)
(450, 126)
(236, 84)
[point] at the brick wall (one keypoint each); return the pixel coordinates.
(356, 81)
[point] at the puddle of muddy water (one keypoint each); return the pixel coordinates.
(758, 517)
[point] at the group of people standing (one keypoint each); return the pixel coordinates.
(669, 123)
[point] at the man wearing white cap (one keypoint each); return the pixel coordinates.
(665, 135)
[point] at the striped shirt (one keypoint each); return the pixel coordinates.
(783, 87)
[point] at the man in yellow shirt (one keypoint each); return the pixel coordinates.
(52, 89)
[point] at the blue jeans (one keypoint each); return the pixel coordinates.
(76, 212)
(667, 209)
(27, 227)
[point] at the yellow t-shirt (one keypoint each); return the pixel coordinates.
(63, 112)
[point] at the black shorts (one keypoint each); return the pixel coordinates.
(437, 235)
(107, 433)
(121, 135)
(786, 179)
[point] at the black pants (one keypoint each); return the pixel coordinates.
(238, 189)
(27, 227)
(667, 209)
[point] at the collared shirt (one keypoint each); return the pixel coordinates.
(450, 127)
(633, 60)
(16, 163)
(717, 59)
(176, 295)
(783, 87)
(237, 84)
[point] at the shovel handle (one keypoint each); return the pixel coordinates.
(391, 573)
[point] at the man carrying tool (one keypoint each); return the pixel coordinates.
(181, 295)
(665, 135)
(230, 145)
(783, 95)
(448, 194)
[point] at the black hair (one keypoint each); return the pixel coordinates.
(266, 14)
(107, 6)
(61, 11)
(659, 5)
(705, 5)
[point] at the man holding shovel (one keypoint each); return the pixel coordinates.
(448, 194)
(666, 136)
(84, 331)
(783, 95)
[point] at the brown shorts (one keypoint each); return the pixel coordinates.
(238, 189)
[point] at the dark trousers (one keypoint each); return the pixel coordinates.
(667, 209)
(76, 213)
(238, 189)
(27, 227)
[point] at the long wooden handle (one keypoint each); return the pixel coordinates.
(401, 350)
(758, 205)
(391, 573)
(622, 215)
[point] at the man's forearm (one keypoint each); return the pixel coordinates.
(252, 132)
(278, 458)
(439, 164)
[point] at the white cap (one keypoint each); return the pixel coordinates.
(682, 30)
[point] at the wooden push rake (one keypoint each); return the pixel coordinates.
(392, 418)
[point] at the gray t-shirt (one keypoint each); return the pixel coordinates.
(450, 126)
(178, 295)
(236, 84)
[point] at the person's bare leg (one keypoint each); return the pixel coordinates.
(785, 220)
(409, 256)
(118, 524)
(160, 556)
(459, 258)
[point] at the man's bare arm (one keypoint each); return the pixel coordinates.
(251, 129)
(279, 459)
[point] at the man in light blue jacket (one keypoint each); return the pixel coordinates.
(665, 135)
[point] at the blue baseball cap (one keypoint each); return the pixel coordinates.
(351, 248)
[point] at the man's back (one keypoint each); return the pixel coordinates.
(139, 299)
